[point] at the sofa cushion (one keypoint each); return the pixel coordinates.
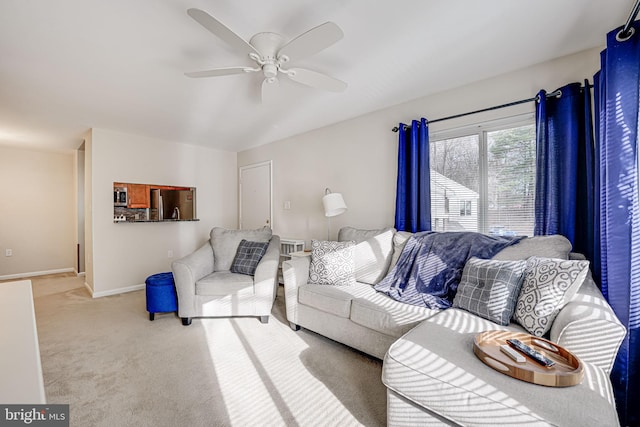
(549, 284)
(373, 252)
(359, 235)
(434, 366)
(225, 244)
(554, 246)
(490, 288)
(223, 283)
(399, 240)
(248, 256)
(332, 263)
(385, 315)
(334, 300)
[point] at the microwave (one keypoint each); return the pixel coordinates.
(120, 196)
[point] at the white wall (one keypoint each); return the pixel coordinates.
(358, 157)
(124, 254)
(37, 215)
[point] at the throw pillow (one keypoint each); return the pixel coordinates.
(549, 284)
(248, 256)
(373, 252)
(332, 263)
(490, 288)
(225, 244)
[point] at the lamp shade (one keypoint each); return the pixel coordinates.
(333, 204)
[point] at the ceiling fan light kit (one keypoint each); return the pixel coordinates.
(270, 52)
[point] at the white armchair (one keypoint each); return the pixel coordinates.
(207, 288)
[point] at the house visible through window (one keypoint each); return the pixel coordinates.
(490, 175)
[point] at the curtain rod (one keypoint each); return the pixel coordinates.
(557, 93)
(627, 31)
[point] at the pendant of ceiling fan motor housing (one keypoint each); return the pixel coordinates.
(270, 70)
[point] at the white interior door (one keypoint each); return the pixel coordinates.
(255, 196)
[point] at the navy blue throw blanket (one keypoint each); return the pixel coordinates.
(430, 266)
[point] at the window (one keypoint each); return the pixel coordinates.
(490, 175)
(465, 207)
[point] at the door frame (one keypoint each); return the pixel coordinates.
(251, 166)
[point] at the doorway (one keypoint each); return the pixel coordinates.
(256, 196)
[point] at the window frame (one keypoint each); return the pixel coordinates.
(481, 129)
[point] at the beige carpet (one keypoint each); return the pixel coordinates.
(116, 368)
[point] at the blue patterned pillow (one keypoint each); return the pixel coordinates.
(248, 256)
(332, 263)
(490, 288)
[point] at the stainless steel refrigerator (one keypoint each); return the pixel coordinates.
(178, 204)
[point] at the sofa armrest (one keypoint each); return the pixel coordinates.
(295, 272)
(266, 274)
(187, 271)
(588, 327)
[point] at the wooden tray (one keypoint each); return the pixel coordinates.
(567, 371)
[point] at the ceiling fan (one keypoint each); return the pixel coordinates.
(271, 52)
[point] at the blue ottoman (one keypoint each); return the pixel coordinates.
(161, 294)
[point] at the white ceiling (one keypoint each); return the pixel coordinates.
(70, 65)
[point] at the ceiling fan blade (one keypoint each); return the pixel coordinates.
(269, 88)
(220, 72)
(315, 79)
(312, 41)
(220, 30)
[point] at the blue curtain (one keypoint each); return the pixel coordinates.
(617, 98)
(565, 167)
(413, 190)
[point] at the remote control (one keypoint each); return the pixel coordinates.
(512, 353)
(536, 356)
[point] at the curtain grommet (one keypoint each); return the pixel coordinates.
(624, 37)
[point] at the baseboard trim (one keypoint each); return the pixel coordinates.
(36, 273)
(115, 291)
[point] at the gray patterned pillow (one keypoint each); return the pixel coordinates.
(549, 284)
(248, 256)
(332, 263)
(489, 288)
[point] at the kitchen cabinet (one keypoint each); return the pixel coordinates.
(139, 196)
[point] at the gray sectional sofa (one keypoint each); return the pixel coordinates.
(429, 369)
